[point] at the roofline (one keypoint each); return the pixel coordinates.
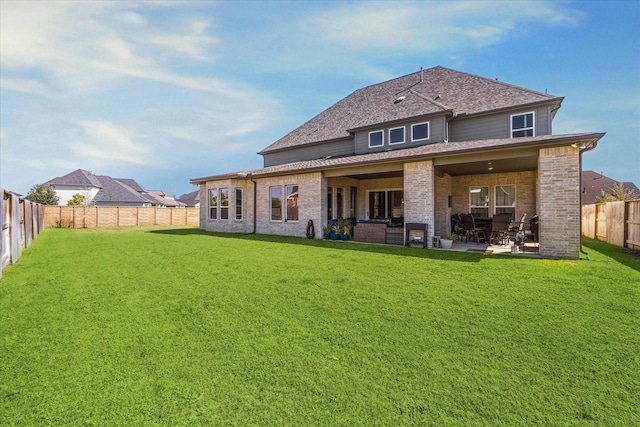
(397, 121)
(584, 141)
(324, 141)
(557, 100)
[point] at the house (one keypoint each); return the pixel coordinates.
(594, 184)
(191, 200)
(102, 190)
(413, 150)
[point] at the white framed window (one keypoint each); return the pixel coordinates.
(523, 125)
(239, 197)
(224, 203)
(275, 202)
(420, 131)
(292, 203)
(376, 139)
(213, 203)
(479, 201)
(281, 208)
(505, 200)
(396, 135)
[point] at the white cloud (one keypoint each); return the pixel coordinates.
(104, 142)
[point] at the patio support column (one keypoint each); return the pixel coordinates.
(419, 205)
(559, 202)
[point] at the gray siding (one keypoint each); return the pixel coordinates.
(436, 134)
(309, 152)
(496, 125)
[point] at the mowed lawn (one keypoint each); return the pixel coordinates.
(160, 326)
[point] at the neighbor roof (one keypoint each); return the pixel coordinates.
(78, 177)
(114, 190)
(594, 183)
(434, 91)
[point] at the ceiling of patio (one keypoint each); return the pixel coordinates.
(516, 164)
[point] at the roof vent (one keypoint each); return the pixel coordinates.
(399, 99)
(436, 98)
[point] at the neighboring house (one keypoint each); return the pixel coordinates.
(102, 190)
(191, 200)
(593, 184)
(165, 199)
(415, 149)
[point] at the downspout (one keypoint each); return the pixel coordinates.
(255, 200)
(255, 196)
(581, 185)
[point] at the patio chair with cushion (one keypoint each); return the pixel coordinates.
(500, 228)
(517, 227)
(470, 229)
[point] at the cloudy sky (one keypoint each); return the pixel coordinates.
(165, 91)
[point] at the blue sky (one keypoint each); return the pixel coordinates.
(165, 91)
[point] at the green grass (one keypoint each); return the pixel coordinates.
(181, 327)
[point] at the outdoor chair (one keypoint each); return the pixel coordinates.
(517, 228)
(500, 228)
(534, 223)
(471, 230)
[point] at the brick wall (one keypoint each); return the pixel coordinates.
(559, 202)
(419, 195)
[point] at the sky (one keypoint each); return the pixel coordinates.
(166, 91)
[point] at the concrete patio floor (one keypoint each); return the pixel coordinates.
(530, 248)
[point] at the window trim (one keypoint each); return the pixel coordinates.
(271, 188)
(413, 139)
(239, 205)
(224, 204)
(217, 206)
(286, 205)
(404, 137)
(381, 132)
(496, 206)
(387, 198)
(532, 128)
(488, 205)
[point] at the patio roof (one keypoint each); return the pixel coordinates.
(430, 151)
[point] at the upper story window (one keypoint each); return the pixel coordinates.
(396, 135)
(420, 131)
(522, 125)
(376, 139)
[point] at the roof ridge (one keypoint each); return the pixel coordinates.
(433, 101)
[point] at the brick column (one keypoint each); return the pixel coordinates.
(559, 202)
(419, 195)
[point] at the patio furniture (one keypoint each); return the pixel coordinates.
(517, 228)
(499, 228)
(534, 223)
(471, 230)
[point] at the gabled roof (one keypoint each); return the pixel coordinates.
(116, 191)
(435, 91)
(132, 183)
(594, 184)
(190, 199)
(78, 177)
(165, 199)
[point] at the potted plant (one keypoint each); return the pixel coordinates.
(335, 231)
(447, 242)
(326, 230)
(344, 225)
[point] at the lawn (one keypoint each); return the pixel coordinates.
(158, 326)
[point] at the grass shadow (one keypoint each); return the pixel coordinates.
(621, 255)
(472, 257)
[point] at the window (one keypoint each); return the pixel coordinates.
(386, 204)
(479, 201)
(279, 210)
(292, 203)
(396, 135)
(505, 200)
(522, 125)
(276, 203)
(213, 204)
(376, 139)
(420, 131)
(238, 204)
(340, 202)
(224, 203)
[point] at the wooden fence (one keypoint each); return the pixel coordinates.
(117, 216)
(21, 222)
(617, 223)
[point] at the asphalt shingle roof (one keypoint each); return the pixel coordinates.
(77, 177)
(116, 191)
(437, 90)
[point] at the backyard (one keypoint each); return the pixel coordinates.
(177, 326)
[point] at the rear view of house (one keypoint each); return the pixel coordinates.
(415, 149)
